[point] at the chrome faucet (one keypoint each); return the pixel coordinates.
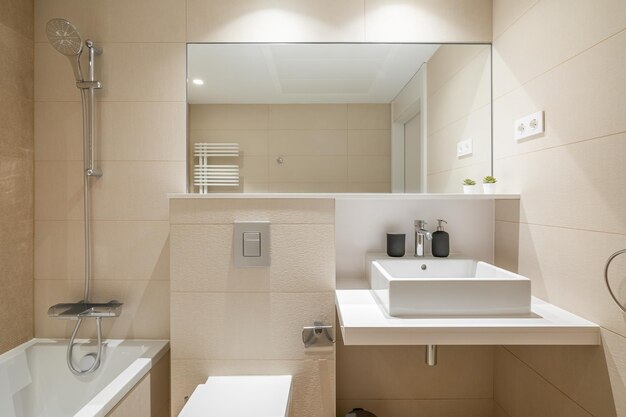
(420, 234)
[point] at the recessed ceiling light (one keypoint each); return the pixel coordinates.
(197, 81)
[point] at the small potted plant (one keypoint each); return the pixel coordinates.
(469, 186)
(489, 184)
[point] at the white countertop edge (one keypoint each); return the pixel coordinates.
(363, 322)
(345, 196)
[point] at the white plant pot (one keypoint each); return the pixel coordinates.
(470, 189)
(489, 188)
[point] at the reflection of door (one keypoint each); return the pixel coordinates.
(412, 155)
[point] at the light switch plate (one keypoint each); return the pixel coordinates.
(250, 229)
(529, 126)
(464, 148)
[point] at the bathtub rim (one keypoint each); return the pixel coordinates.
(105, 400)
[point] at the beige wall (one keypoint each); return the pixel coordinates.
(16, 173)
(247, 321)
(325, 147)
(459, 98)
(571, 179)
(142, 127)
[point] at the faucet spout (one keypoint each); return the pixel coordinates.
(421, 235)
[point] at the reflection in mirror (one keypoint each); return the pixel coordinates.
(374, 118)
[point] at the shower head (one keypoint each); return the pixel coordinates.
(64, 37)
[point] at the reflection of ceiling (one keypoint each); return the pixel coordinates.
(302, 73)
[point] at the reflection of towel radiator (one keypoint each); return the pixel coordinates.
(207, 175)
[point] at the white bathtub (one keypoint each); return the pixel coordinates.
(35, 380)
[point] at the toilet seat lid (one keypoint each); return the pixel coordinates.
(240, 396)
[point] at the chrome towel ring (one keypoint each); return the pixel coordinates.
(606, 278)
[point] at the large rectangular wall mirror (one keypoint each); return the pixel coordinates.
(338, 118)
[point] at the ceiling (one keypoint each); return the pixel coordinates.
(302, 73)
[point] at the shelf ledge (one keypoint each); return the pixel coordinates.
(364, 322)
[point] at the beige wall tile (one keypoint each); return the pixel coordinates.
(133, 250)
(226, 211)
(59, 249)
(558, 178)
(442, 144)
(308, 187)
(614, 348)
(522, 392)
(582, 99)
(17, 64)
(310, 169)
(19, 18)
(369, 142)
(117, 20)
(228, 116)
(369, 116)
(16, 129)
(507, 210)
(308, 116)
(448, 61)
(136, 190)
(307, 142)
(254, 168)
(506, 12)
(498, 411)
(273, 321)
(587, 23)
(369, 169)
(452, 181)
(551, 257)
(203, 260)
(154, 72)
(282, 21)
(251, 142)
(580, 372)
(399, 372)
(369, 187)
(420, 408)
(427, 21)
(16, 311)
(312, 387)
(58, 131)
(141, 131)
(467, 91)
(58, 190)
(506, 250)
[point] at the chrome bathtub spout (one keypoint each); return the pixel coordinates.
(421, 235)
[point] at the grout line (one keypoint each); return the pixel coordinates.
(564, 227)
(608, 135)
(466, 116)
(501, 407)
(583, 51)
(515, 20)
(547, 381)
(467, 63)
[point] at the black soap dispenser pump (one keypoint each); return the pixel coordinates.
(441, 241)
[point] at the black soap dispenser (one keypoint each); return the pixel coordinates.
(441, 241)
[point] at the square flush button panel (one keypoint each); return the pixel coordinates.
(251, 244)
(529, 126)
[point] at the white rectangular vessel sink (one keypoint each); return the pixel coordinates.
(448, 287)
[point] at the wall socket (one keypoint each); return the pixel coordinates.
(529, 126)
(464, 148)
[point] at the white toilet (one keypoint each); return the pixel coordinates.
(240, 396)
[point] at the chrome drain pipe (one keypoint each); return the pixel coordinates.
(431, 355)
